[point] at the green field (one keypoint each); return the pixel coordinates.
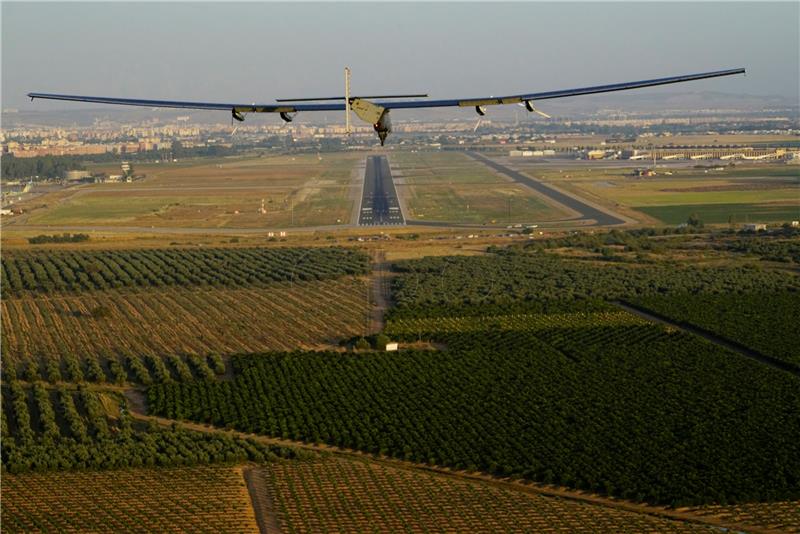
(448, 187)
(686, 187)
(724, 213)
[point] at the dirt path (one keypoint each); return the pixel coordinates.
(705, 334)
(135, 399)
(380, 290)
(262, 504)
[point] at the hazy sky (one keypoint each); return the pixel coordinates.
(256, 52)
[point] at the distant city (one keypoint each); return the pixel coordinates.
(156, 136)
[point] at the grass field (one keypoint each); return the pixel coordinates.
(724, 213)
(448, 187)
(765, 193)
(173, 320)
(297, 191)
(334, 495)
(187, 499)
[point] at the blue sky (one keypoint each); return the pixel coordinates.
(259, 51)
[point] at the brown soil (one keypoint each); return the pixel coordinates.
(266, 517)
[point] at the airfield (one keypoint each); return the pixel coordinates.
(428, 191)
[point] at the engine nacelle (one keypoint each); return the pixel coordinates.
(236, 115)
(383, 126)
(286, 116)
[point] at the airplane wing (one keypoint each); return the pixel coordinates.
(527, 97)
(393, 104)
(248, 108)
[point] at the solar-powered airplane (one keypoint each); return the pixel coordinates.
(375, 109)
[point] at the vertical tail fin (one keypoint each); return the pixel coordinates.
(347, 99)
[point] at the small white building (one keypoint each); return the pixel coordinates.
(755, 227)
(392, 346)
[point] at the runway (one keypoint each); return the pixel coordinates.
(379, 204)
(601, 218)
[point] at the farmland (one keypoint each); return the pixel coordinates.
(778, 516)
(86, 270)
(586, 375)
(454, 188)
(334, 495)
(214, 193)
(519, 373)
(195, 499)
(98, 303)
(636, 387)
(514, 276)
(104, 323)
(754, 320)
(63, 428)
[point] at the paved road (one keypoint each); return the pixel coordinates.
(379, 204)
(587, 212)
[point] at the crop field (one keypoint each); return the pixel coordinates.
(64, 428)
(201, 321)
(86, 270)
(765, 322)
(537, 332)
(610, 401)
(775, 249)
(777, 516)
(768, 193)
(429, 326)
(513, 277)
(298, 191)
(334, 495)
(182, 499)
(454, 188)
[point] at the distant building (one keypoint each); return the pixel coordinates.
(392, 346)
(755, 227)
(77, 175)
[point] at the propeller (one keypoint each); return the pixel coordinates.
(529, 106)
